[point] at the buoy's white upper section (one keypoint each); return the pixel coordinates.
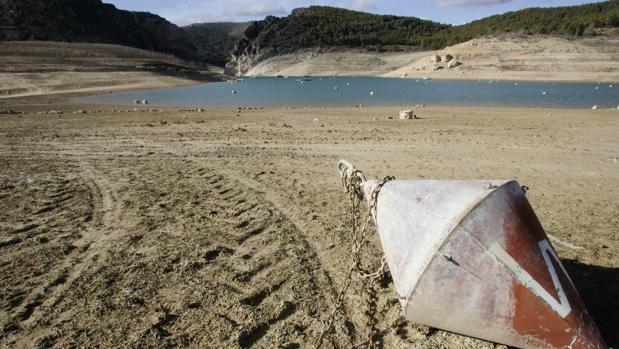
(414, 217)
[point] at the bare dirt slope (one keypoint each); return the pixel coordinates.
(176, 228)
(527, 58)
(344, 62)
(504, 57)
(35, 68)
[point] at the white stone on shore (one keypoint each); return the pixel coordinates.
(453, 63)
(407, 114)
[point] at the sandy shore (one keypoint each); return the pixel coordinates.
(208, 229)
(34, 68)
(62, 83)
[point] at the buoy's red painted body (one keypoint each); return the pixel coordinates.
(471, 257)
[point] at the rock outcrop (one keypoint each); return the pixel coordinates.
(407, 114)
(453, 63)
(247, 51)
(244, 56)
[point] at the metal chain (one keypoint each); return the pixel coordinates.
(370, 312)
(353, 184)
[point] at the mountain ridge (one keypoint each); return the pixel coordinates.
(91, 21)
(241, 45)
(322, 27)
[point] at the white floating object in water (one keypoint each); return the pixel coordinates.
(471, 257)
(515, 84)
(336, 88)
(348, 84)
(597, 87)
(371, 93)
(544, 93)
(233, 92)
(611, 86)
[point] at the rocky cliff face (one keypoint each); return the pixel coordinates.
(245, 55)
(91, 21)
(247, 51)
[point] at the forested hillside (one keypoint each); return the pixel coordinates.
(91, 21)
(320, 26)
(323, 27)
(570, 21)
(214, 41)
(317, 27)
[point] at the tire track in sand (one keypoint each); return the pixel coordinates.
(102, 215)
(262, 250)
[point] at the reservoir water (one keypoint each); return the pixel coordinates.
(370, 91)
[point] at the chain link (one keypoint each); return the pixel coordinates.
(352, 182)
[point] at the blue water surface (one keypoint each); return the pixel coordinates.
(369, 91)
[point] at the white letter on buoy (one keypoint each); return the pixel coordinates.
(562, 306)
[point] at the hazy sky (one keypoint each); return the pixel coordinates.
(184, 12)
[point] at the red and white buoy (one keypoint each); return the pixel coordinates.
(471, 257)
